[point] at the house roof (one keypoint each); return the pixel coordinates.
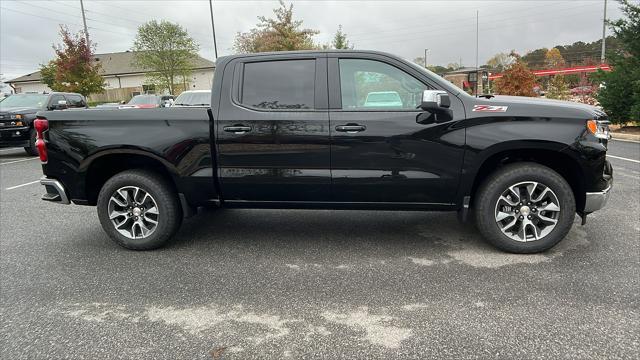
(115, 64)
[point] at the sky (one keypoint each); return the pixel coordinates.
(28, 28)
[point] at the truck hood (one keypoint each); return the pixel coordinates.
(19, 110)
(538, 107)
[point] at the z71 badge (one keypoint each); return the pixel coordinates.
(490, 108)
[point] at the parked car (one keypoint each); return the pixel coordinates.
(18, 111)
(148, 101)
(113, 105)
(582, 90)
(193, 98)
(285, 131)
(383, 99)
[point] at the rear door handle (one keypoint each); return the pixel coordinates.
(351, 128)
(237, 129)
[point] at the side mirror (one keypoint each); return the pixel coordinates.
(61, 105)
(435, 100)
(436, 103)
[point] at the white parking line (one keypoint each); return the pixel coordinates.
(10, 149)
(13, 162)
(627, 140)
(21, 185)
(622, 158)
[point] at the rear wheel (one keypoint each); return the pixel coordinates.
(525, 208)
(139, 210)
(32, 149)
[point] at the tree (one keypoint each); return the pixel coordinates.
(166, 51)
(620, 96)
(516, 80)
(558, 88)
(279, 34)
(340, 40)
(500, 61)
(553, 59)
(73, 69)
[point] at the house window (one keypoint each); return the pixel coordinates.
(149, 89)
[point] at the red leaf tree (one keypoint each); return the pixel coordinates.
(517, 80)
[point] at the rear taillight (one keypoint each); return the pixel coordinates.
(41, 125)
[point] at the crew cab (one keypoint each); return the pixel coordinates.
(295, 130)
(18, 111)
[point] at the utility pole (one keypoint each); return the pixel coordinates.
(213, 28)
(84, 21)
(425, 58)
(477, 42)
(604, 30)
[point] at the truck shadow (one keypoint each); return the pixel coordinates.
(312, 228)
(426, 238)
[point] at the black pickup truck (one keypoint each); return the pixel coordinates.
(18, 111)
(333, 130)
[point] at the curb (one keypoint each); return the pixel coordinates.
(621, 136)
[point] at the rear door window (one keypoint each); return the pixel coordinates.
(279, 85)
(75, 101)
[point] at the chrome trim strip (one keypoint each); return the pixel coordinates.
(64, 199)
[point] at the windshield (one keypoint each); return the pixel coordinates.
(446, 84)
(25, 100)
(143, 99)
(200, 98)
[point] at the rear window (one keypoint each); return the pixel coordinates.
(75, 101)
(144, 99)
(193, 99)
(286, 84)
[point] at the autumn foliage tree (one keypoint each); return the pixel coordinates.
(280, 34)
(517, 80)
(553, 59)
(73, 69)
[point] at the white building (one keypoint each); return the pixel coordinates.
(122, 78)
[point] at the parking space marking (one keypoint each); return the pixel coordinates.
(21, 185)
(15, 161)
(623, 158)
(627, 140)
(10, 149)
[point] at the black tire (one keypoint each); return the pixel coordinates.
(169, 215)
(32, 150)
(493, 187)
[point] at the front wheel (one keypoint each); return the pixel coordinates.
(525, 208)
(139, 210)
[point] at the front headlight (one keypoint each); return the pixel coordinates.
(599, 129)
(16, 117)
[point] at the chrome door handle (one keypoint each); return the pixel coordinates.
(237, 129)
(351, 128)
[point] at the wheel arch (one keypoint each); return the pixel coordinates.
(99, 167)
(549, 154)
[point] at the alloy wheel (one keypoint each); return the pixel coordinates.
(527, 211)
(133, 212)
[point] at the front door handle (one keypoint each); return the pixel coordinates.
(237, 129)
(351, 128)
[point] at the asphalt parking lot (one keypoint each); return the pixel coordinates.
(314, 284)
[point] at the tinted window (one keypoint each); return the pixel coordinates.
(144, 99)
(55, 99)
(190, 98)
(369, 84)
(75, 101)
(279, 84)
